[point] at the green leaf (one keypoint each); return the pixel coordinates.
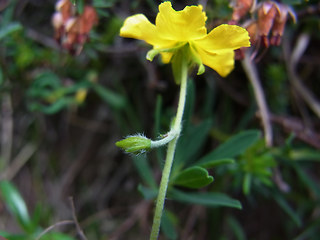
(148, 193)
(246, 185)
(14, 236)
(209, 199)
(168, 225)
(50, 109)
(47, 79)
(216, 162)
(193, 177)
(16, 205)
(305, 154)
(232, 147)
(79, 6)
(10, 28)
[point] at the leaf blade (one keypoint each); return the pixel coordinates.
(232, 147)
(209, 199)
(193, 177)
(16, 205)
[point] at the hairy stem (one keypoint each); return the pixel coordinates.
(170, 154)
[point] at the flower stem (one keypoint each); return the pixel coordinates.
(169, 137)
(170, 154)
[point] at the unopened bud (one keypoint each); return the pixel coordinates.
(241, 8)
(135, 144)
(89, 18)
(266, 15)
(71, 25)
(66, 8)
(252, 28)
(57, 21)
(280, 22)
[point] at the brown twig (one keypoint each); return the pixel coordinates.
(296, 126)
(80, 232)
(18, 162)
(252, 74)
(65, 222)
(46, 41)
(6, 128)
(291, 62)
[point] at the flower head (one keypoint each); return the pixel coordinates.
(185, 29)
(72, 29)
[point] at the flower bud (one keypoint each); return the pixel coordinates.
(88, 19)
(266, 15)
(71, 24)
(57, 21)
(280, 22)
(252, 28)
(241, 8)
(135, 144)
(66, 8)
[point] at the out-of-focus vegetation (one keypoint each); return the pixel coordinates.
(62, 111)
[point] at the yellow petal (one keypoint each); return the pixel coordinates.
(225, 37)
(139, 27)
(181, 26)
(222, 62)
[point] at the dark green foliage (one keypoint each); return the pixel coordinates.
(193, 177)
(225, 183)
(16, 205)
(209, 199)
(18, 209)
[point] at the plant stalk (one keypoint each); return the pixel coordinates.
(252, 74)
(170, 154)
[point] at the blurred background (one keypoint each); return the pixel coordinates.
(70, 87)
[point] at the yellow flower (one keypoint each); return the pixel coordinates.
(175, 30)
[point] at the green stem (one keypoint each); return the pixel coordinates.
(169, 137)
(170, 154)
